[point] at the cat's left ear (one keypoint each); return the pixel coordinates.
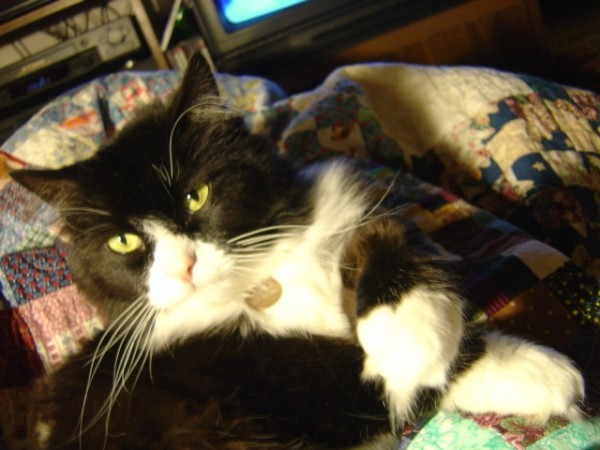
(198, 82)
(55, 187)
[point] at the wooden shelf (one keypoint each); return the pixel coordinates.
(506, 34)
(55, 9)
(478, 30)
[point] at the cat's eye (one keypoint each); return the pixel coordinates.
(196, 198)
(124, 243)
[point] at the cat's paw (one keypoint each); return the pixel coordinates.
(411, 345)
(517, 377)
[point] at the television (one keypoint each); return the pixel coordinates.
(260, 36)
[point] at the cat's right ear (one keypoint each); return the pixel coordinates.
(198, 83)
(55, 187)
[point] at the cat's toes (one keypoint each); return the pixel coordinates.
(410, 346)
(520, 378)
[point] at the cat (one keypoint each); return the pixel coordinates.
(251, 304)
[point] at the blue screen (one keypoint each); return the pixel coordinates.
(240, 11)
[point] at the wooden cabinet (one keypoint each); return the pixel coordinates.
(506, 34)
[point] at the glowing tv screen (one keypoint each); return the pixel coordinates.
(263, 36)
(238, 12)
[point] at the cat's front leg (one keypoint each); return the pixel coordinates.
(409, 321)
(409, 317)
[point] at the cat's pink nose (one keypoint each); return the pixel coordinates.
(190, 262)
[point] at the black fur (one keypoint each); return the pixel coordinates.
(227, 392)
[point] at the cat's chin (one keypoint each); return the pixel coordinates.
(194, 309)
(178, 324)
(169, 294)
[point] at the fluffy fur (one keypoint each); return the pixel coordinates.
(171, 226)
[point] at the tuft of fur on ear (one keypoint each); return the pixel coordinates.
(55, 187)
(198, 83)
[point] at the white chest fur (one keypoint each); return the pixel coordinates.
(308, 265)
(196, 286)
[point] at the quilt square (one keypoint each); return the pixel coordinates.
(35, 273)
(537, 314)
(59, 322)
(498, 282)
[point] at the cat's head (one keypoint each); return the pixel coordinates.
(162, 223)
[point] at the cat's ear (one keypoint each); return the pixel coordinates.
(56, 187)
(198, 83)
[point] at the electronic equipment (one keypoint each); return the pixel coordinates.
(66, 62)
(9, 9)
(286, 33)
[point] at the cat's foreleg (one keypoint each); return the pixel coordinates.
(409, 317)
(410, 324)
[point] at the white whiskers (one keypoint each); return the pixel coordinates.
(83, 211)
(206, 108)
(259, 231)
(163, 176)
(131, 333)
(257, 246)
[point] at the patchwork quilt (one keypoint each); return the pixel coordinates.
(501, 171)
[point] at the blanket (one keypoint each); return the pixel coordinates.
(501, 171)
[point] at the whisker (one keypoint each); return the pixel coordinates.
(122, 331)
(177, 170)
(258, 246)
(85, 231)
(249, 257)
(122, 359)
(93, 230)
(129, 360)
(264, 239)
(146, 347)
(140, 357)
(264, 230)
(384, 196)
(131, 343)
(387, 213)
(83, 210)
(114, 330)
(250, 250)
(202, 105)
(163, 177)
(132, 348)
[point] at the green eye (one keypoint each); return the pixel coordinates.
(195, 200)
(124, 243)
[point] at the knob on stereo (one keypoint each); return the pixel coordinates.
(115, 36)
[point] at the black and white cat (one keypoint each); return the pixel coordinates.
(251, 305)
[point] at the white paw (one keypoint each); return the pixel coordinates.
(411, 345)
(517, 377)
